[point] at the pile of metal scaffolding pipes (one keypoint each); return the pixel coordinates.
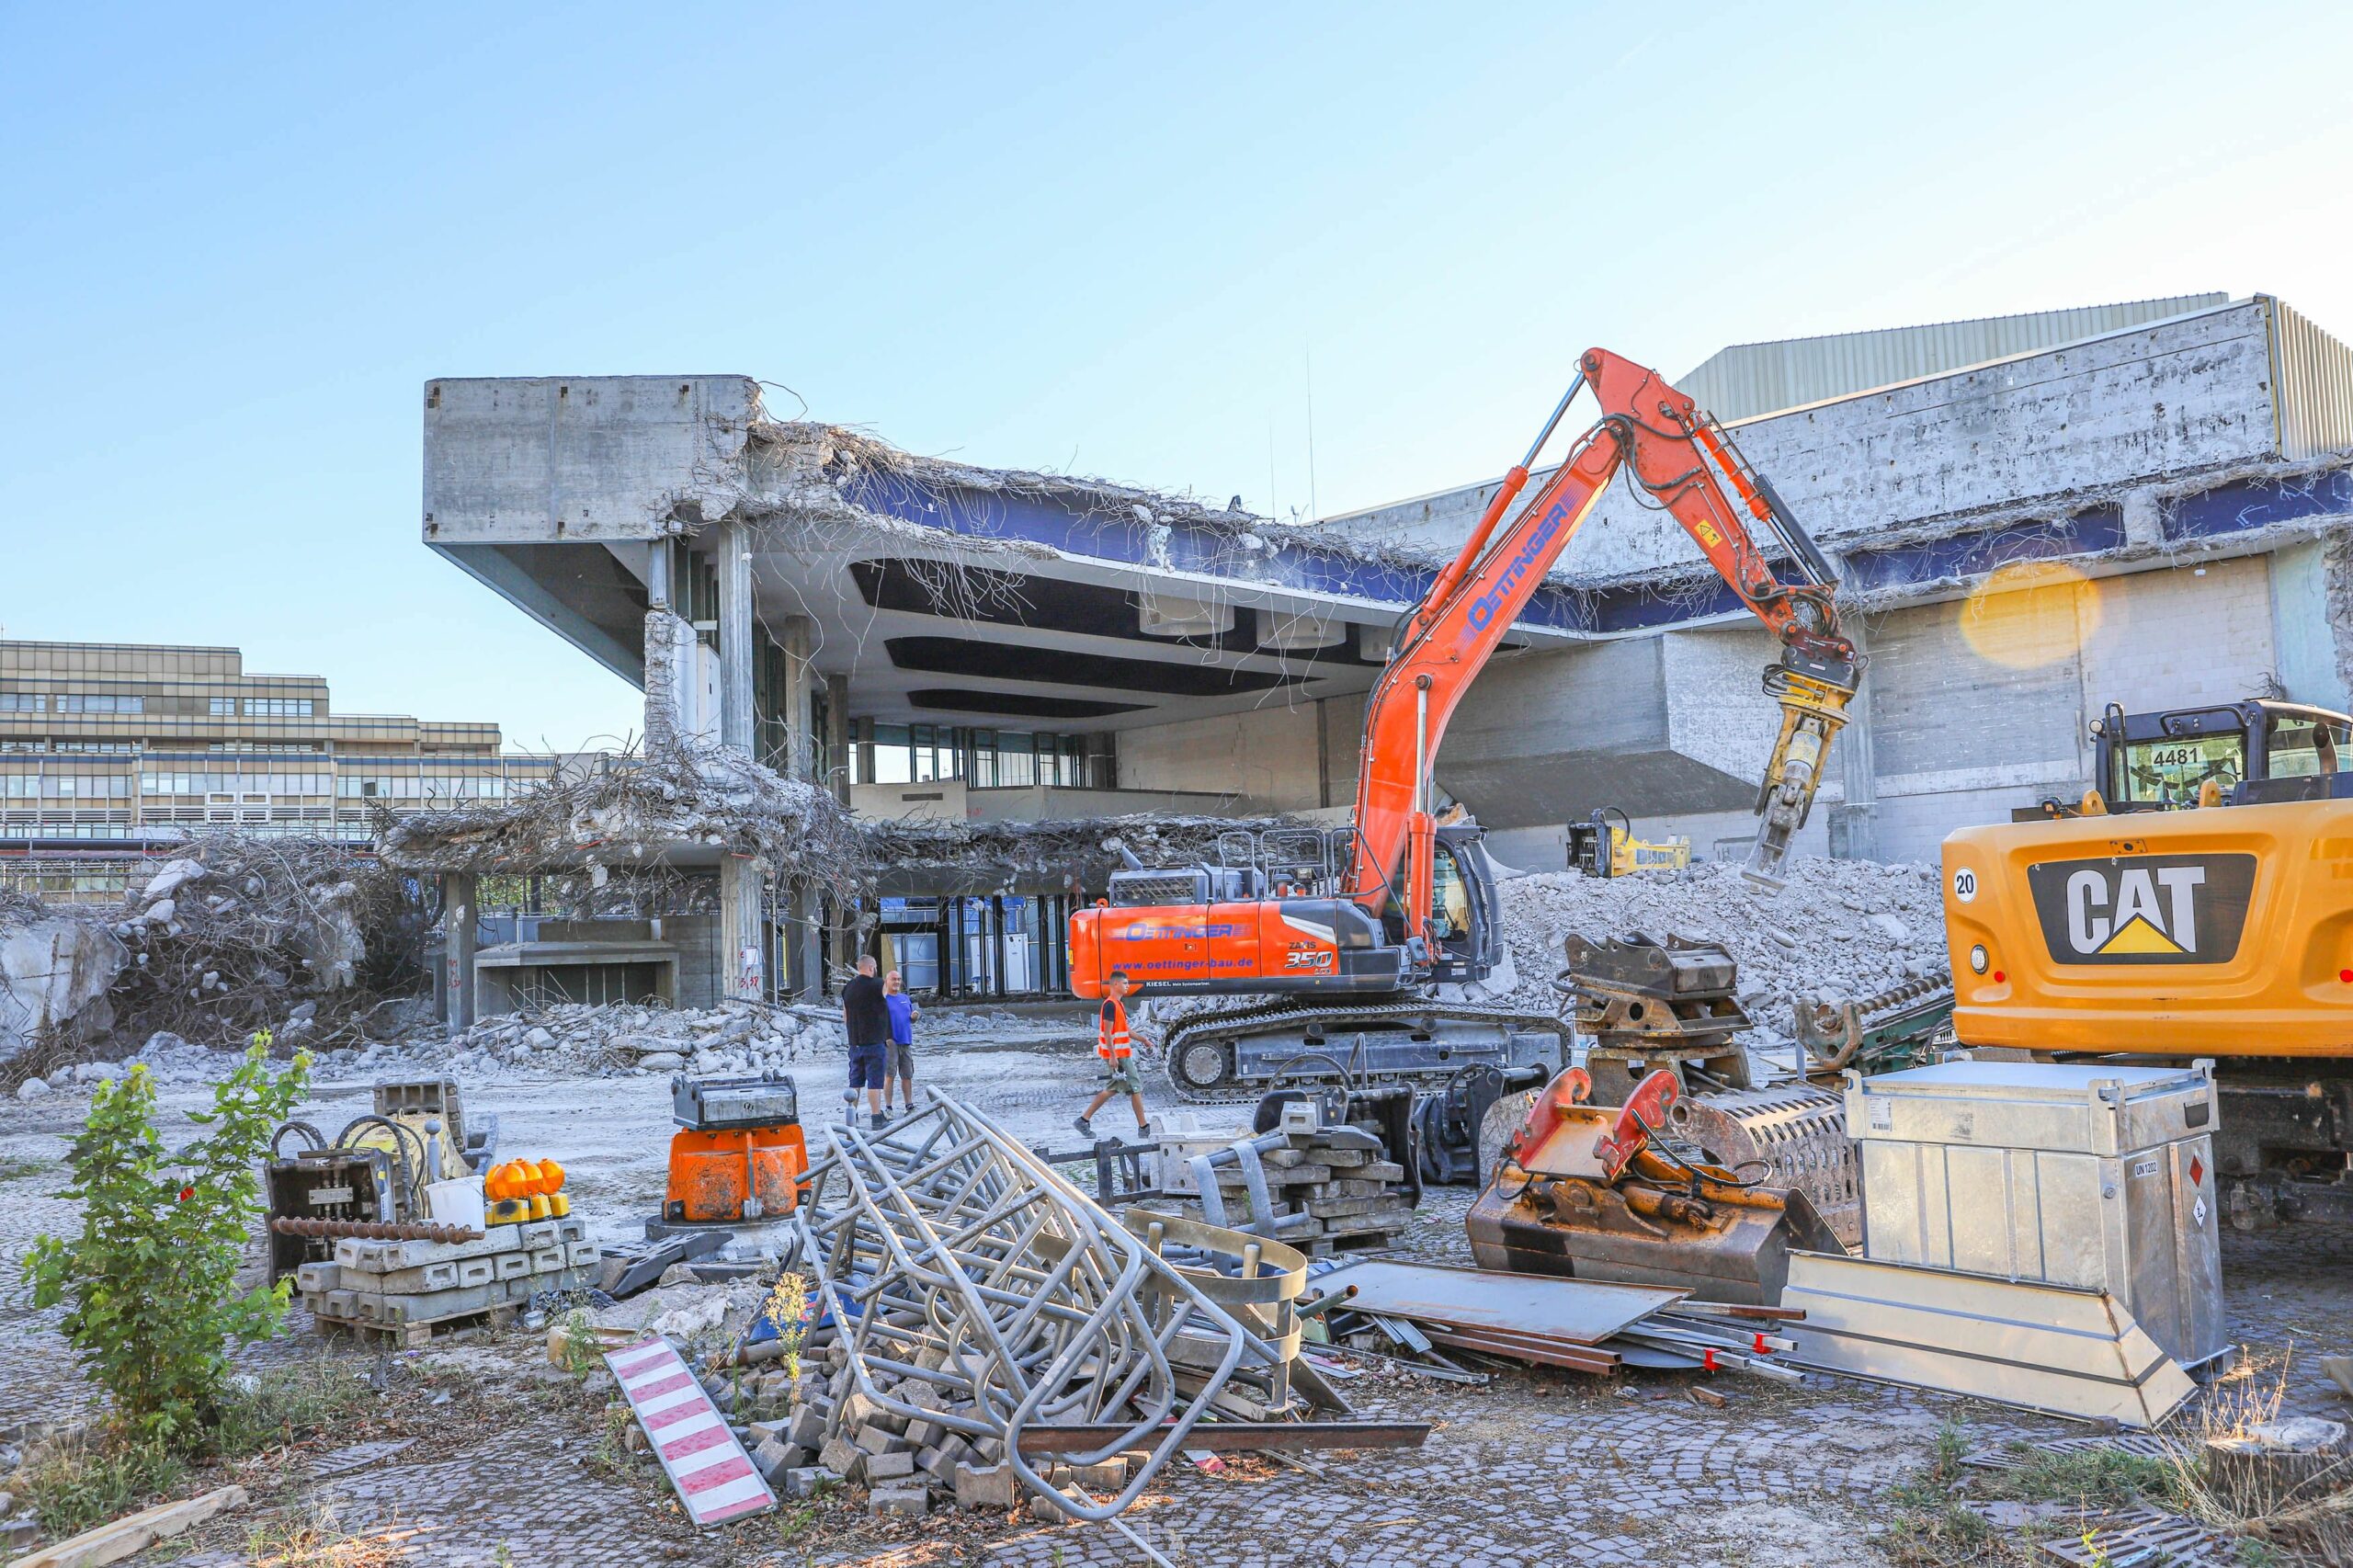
(956, 1261)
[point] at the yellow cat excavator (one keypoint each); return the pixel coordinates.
(2197, 902)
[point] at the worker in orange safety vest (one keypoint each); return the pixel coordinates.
(1116, 1050)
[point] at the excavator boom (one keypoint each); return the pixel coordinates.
(1682, 459)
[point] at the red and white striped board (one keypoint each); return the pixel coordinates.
(714, 1476)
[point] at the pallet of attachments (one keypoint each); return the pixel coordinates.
(1355, 1197)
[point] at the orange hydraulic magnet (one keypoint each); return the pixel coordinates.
(739, 1153)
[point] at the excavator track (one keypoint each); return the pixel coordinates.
(1200, 1064)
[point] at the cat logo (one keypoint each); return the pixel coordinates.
(2144, 909)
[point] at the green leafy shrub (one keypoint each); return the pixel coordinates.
(151, 1281)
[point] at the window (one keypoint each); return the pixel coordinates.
(2168, 772)
(23, 702)
(2300, 747)
(77, 703)
(223, 707)
(278, 706)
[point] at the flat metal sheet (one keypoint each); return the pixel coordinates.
(1582, 1312)
(2047, 1347)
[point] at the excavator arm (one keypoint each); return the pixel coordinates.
(1684, 460)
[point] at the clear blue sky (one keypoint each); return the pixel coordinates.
(238, 240)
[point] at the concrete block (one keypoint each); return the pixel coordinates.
(1102, 1480)
(770, 1459)
(318, 1277)
(580, 1254)
(548, 1260)
(877, 1440)
(839, 1454)
(806, 1481)
(383, 1258)
(924, 1433)
(905, 1500)
(473, 1270)
(881, 1468)
(512, 1265)
(940, 1464)
(807, 1428)
(1046, 1509)
(988, 1450)
(985, 1486)
(857, 1410)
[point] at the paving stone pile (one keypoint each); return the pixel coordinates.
(1350, 1196)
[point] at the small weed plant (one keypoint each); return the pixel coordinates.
(150, 1283)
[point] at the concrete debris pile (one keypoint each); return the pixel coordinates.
(623, 811)
(1841, 929)
(1085, 848)
(302, 937)
(55, 968)
(1002, 1337)
(621, 1037)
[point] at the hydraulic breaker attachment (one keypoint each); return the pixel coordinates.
(1813, 698)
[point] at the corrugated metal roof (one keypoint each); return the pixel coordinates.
(2312, 380)
(1750, 379)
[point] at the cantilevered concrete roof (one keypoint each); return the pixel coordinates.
(945, 592)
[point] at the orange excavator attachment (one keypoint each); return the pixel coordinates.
(739, 1153)
(1591, 1192)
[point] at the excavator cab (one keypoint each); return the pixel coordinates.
(1466, 917)
(2255, 752)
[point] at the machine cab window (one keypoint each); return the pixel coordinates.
(2168, 771)
(2305, 746)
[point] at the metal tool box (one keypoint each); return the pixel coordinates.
(2073, 1173)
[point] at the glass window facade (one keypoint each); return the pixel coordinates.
(983, 759)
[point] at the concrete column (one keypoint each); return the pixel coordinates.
(2309, 642)
(743, 958)
(458, 897)
(738, 644)
(803, 751)
(838, 758)
(1853, 821)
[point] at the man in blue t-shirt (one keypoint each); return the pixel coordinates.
(899, 1064)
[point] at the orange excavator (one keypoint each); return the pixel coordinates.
(1359, 942)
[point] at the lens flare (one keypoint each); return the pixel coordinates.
(2031, 613)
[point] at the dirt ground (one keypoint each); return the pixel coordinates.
(476, 1451)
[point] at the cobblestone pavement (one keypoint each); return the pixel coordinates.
(1539, 1469)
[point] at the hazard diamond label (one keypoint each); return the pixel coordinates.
(714, 1476)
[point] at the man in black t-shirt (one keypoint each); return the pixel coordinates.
(867, 1015)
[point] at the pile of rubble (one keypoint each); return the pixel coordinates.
(623, 811)
(1839, 930)
(306, 937)
(618, 1037)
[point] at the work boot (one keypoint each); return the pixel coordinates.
(878, 1121)
(1086, 1128)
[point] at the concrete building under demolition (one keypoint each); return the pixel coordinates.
(2032, 518)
